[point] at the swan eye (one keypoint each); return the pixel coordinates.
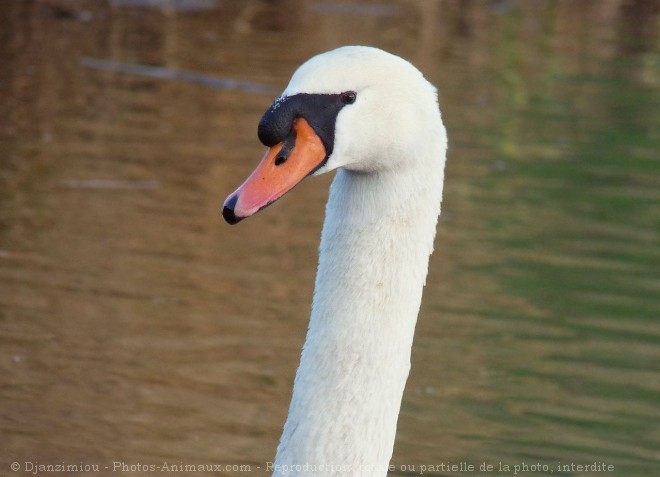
(348, 97)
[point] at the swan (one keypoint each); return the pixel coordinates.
(375, 119)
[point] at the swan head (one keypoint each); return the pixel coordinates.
(358, 108)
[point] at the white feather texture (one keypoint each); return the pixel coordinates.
(381, 216)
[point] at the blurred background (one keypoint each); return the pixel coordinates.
(136, 326)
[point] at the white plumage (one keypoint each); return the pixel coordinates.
(380, 223)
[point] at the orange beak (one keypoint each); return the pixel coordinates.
(276, 174)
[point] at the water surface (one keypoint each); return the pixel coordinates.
(137, 327)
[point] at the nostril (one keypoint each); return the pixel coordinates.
(285, 151)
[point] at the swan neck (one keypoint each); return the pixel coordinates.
(376, 241)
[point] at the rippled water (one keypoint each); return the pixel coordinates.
(136, 327)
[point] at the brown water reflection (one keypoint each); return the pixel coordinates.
(136, 327)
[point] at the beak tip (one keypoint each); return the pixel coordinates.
(228, 210)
